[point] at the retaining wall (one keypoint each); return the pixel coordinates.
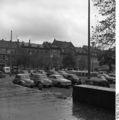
(94, 95)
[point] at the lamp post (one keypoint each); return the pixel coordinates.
(88, 39)
(51, 58)
(10, 62)
(30, 53)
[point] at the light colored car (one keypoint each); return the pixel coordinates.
(41, 79)
(60, 81)
(24, 79)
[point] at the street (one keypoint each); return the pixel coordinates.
(21, 103)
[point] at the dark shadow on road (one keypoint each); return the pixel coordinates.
(88, 112)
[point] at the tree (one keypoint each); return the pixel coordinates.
(68, 61)
(107, 57)
(47, 45)
(21, 57)
(104, 32)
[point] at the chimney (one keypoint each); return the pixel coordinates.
(11, 36)
(22, 43)
(54, 39)
(2, 39)
(29, 42)
(17, 40)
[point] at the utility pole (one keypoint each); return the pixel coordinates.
(11, 55)
(88, 39)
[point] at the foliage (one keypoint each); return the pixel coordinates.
(68, 61)
(107, 57)
(21, 57)
(104, 33)
(47, 45)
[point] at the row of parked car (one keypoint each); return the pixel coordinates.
(41, 78)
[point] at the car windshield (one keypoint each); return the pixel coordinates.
(56, 76)
(36, 76)
(59, 76)
(43, 76)
(25, 77)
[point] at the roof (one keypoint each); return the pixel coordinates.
(62, 44)
(8, 44)
(27, 44)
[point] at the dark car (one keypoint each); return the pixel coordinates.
(51, 72)
(74, 79)
(110, 79)
(97, 81)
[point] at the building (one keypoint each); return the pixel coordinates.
(82, 58)
(39, 56)
(46, 55)
(26, 54)
(7, 51)
(80, 54)
(66, 47)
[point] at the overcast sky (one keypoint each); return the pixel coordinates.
(44, 20)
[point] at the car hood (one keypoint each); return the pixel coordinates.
(27, 80)
(64, 80)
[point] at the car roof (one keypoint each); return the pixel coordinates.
(21, 74)
(38, 74)
(55, 75)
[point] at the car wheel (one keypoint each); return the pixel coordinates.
(14, 82)
(40, 86)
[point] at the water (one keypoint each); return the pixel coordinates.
(21, 103)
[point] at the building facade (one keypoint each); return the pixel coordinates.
(59, 54)
(28, 55)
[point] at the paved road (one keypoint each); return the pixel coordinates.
(21, 103)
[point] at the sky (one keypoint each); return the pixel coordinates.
(44, 20)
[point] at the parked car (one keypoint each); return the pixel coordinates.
(23, 79)
(60, 81)
(63, 73)
(41, 80)
(2, 75)
(74, 79)
(112, 74)
(51, 72)
(110, 79)
(41, 71)
(98, 81)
